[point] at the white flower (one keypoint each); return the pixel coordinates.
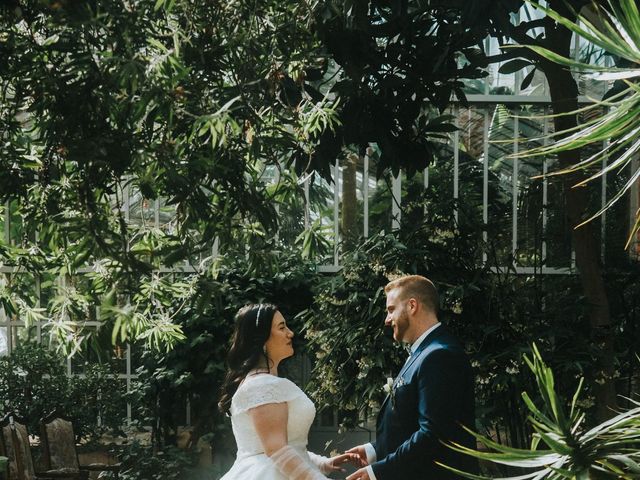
(20, 372)
(512, 368)
(388, 387)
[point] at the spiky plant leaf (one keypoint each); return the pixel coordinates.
(561, 447)
(618, 33)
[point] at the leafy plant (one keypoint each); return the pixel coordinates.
(562, 447)
(353, 355)
(398, 65)
(495, 312)
(193, 371)
(34, 382)
(615, 118)
(140, 462)
(135, 137)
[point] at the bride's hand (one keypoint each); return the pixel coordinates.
(335, 463)
(359, 458)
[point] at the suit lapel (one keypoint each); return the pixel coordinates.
(414, 356)
(382, 407)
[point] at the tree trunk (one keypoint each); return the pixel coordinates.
(349, 223)
(564, 98)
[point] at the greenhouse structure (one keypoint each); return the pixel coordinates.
(171, 168)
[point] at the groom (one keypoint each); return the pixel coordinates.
(431, 398)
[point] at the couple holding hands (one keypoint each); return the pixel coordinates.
(429, 402)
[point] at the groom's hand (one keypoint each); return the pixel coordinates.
(361, 474)
(335, 463)
(360, 459)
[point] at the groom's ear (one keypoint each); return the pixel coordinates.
(413, 305)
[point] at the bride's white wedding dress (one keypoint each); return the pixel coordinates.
(251, 461)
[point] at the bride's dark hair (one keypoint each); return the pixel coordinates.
(247, 347)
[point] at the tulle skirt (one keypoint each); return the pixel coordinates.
(254, 467)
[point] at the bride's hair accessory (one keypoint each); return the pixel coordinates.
(258, 314)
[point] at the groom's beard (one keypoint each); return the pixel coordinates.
(401, 326)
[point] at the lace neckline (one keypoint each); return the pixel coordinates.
(258, 371)
(255, 373)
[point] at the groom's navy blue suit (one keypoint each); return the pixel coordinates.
(433, 397)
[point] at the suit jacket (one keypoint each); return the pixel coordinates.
(433, 397)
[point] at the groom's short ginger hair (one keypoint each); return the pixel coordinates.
(418, 287)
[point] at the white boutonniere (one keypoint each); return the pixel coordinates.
(390, 389)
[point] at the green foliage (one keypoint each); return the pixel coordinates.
(33, 382)
(353, 357)
(313, 241)
(114, 114)
(140, 462)
(194, 369)
(614, 119)
(398, 66)
(562, 447)
(345, 322)
(495, 312)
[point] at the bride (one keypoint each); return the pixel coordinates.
(270, 416)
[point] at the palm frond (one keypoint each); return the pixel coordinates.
(618, 33)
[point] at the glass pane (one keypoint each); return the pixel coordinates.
(20, 334)
(321, 217)
(365, 184)
(537, 84)
(141, 210)
(470, 189)
(501, 179)
(167, 216)
(498, 83)
(530, 192)
(3, 222)
(4, 341)
(351, 197)
(586, 52)
(557, 233)
(471, 136)
(377, 202)
(381, 202)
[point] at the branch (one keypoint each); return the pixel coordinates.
(520, 35)
(511, 53)
(526, 26)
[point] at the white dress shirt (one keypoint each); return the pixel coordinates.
(368, 448)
